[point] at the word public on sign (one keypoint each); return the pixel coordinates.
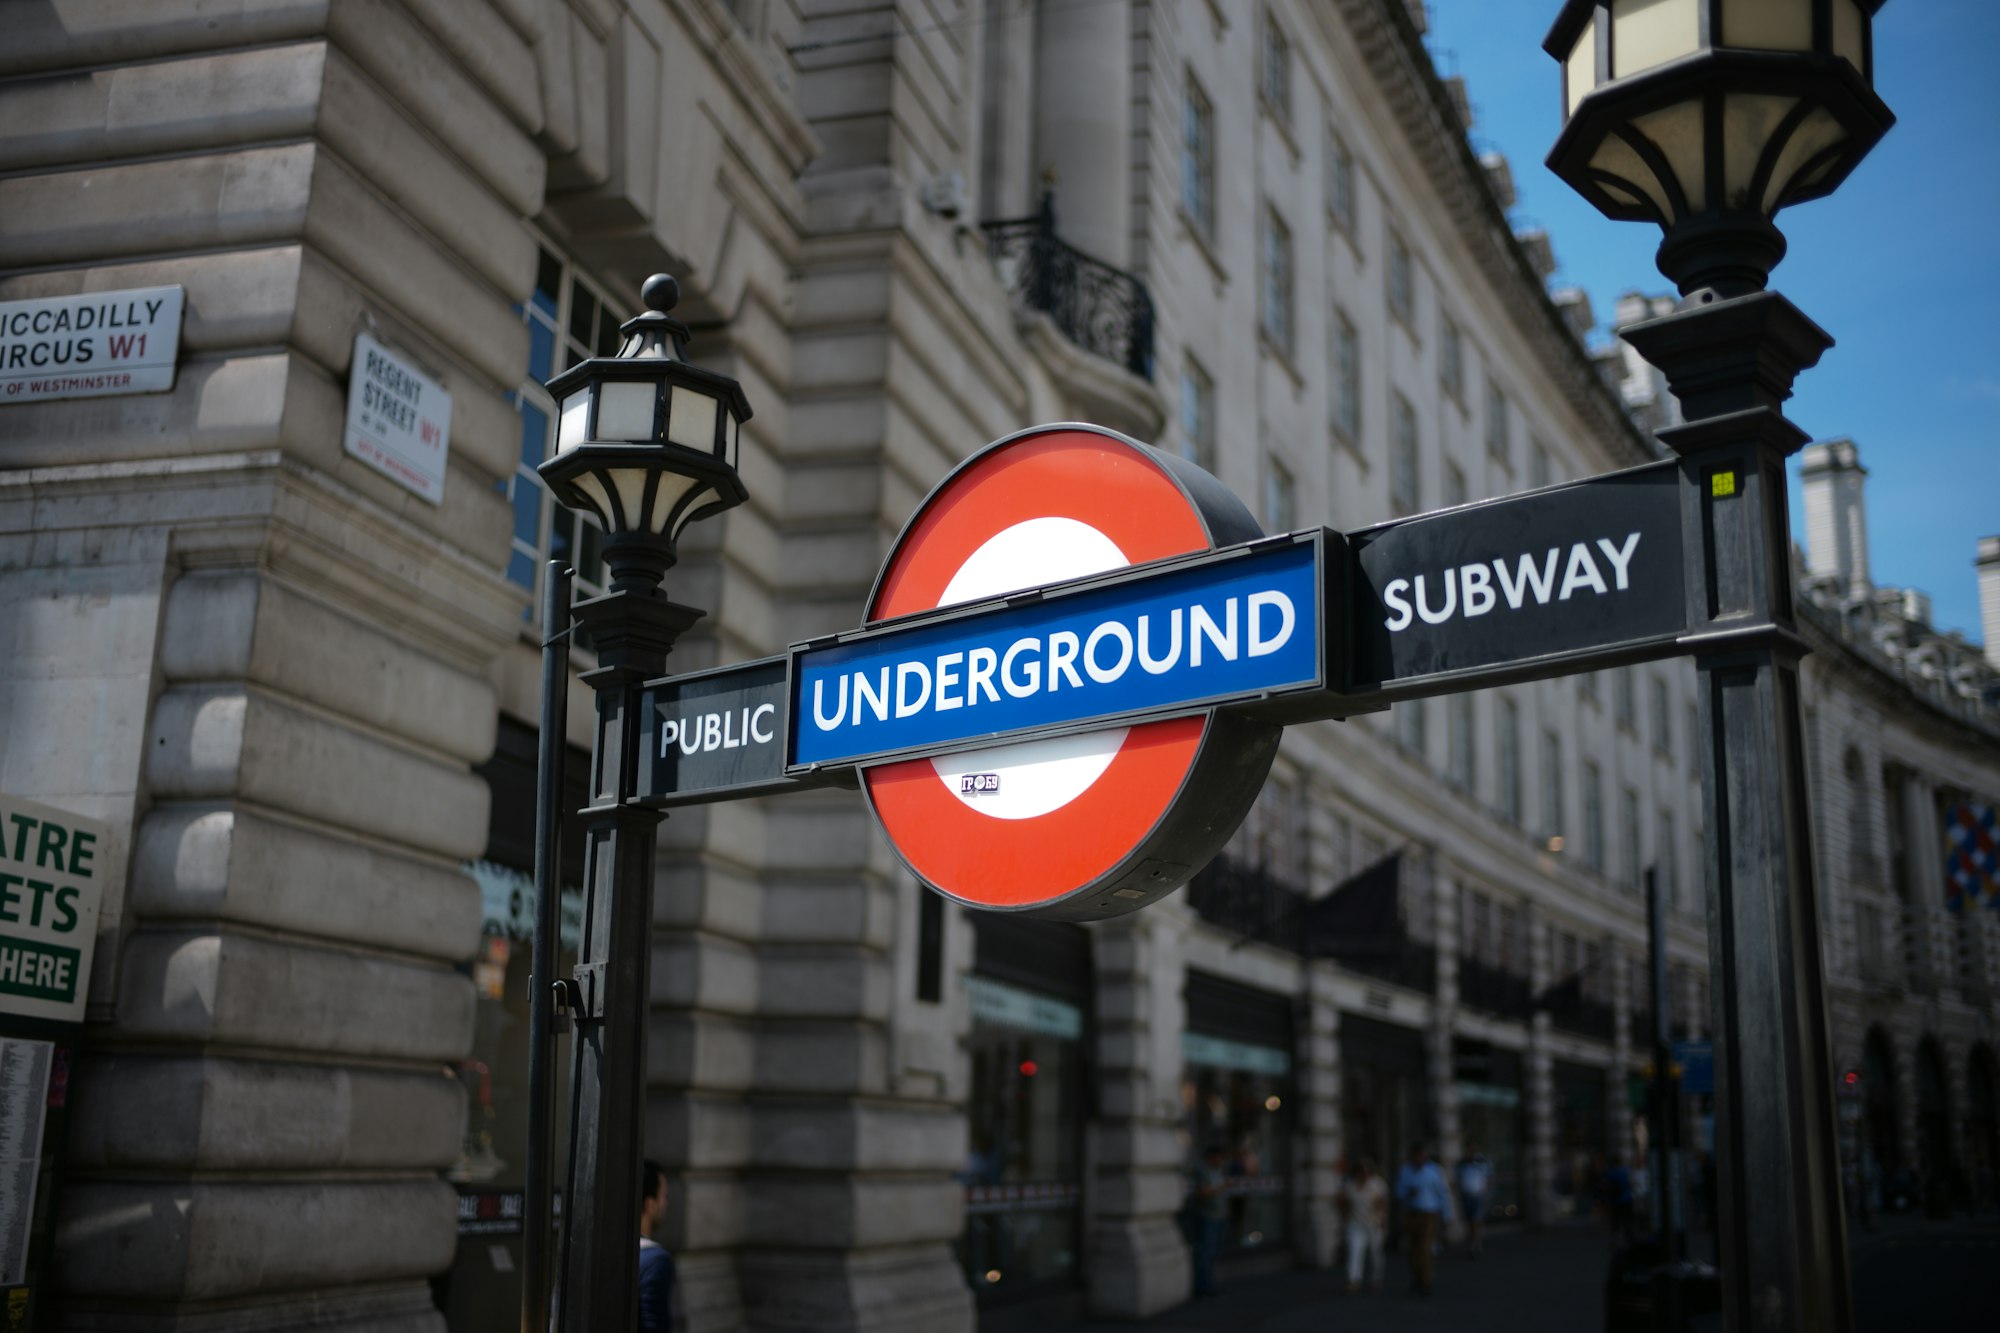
(91, 346)
(51, 869)
(398, 419)
(718, 735)
(1526, 581)
(1224, 628)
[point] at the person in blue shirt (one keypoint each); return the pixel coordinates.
(656, 1266)
(1475, 1180)
(1426, 1198)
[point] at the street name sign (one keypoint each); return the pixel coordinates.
(51, 867)
(398, 419)
(91, 346)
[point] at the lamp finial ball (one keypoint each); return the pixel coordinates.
(660, 292)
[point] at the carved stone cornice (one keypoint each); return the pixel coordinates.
(1388, 40)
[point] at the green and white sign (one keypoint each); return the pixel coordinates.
(51, 867)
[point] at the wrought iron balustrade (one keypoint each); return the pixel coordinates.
(1247, 901)
(1104, 310)
(1586, 1018)
(1494, 989)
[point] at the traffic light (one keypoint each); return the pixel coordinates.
(1850, 1083)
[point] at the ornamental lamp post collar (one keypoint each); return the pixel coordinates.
(1708, 116)
(646, 442)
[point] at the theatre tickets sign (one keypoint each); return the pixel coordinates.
(51, 882)
(1076, 664)
(90, 346)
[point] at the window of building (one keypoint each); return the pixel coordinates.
(1663, 730)
(1277, 280)
(1541, 471)
(1628, 835)
(1586, 686)
(1279, 510)
(1593, 817)
(1346, 378)
(569, 319)
(1451, 358)
(1402, 280)
(1508, 720)
(1412, 726)
(1339, 180)
(1277, 831)
(1198, 158)
(1276, 84)
(1499, 440)
(1403, 478)
(1454, 484)
(1197, 438)
(1552, 790)
(1464, 743)
(1694, 738)
(1624, 697)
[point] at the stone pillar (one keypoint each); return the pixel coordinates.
(1318, 1136)
(1540, 1076)
(1618, 1108)
(1909, 1137)
(1444, 1019)
(1083, 123)
(1136, 1262)
(261, 660)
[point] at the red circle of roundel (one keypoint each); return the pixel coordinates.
(1113, 486)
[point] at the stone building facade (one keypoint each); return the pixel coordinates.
(305, 698)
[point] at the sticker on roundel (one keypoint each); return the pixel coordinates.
(1019, 825)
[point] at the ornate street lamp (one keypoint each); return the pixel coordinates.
(647, 444)
(1707, 117)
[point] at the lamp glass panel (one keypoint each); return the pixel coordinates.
(1748, 122)
(573, 426)
(1768, 25)
(1580, 70)
(630, 484)
(1677, 132)
(592, 487)
(1819, 130)
(691, 419)
(1849, 39)
(625, 409)
(667, 503)
(1645, 33)
(1617, 157)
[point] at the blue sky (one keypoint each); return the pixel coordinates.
(1899, 265)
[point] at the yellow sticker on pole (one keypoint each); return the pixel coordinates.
(1721, 484)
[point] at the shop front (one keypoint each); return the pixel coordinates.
(482, 1289)
(1385, 1091)
(1023, 1172)
(1580, 1136)
(1491, 1117)
(1236, 1094)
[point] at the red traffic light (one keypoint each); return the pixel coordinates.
(1029, 1069)
(1852, 1078)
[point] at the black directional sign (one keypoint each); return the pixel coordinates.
(1531, 585)
(717, 735)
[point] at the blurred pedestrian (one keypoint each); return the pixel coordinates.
(1364, 1203)
(1475, 1182)
(1426, 1200)
(1211, 1209)
(656, 1266)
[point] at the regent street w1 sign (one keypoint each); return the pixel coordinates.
(1076, 665)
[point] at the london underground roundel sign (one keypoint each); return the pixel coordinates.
(1078, 826)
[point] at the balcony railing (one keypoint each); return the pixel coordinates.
(1586, 1018)
(1494, 989)
(1249, 902)
(1103, 310)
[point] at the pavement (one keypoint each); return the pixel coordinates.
(1910, 1276)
